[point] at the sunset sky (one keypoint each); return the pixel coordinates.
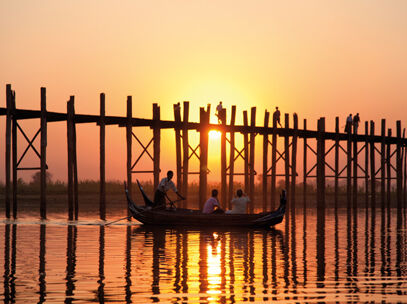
(315, 58)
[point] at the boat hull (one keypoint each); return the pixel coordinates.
(193, 218)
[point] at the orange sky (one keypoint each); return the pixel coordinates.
(316, 58)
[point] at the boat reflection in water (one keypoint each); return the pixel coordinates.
(344, 257)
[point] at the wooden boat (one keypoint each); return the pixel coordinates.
(188, 217)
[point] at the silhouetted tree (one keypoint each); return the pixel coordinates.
(36, 178)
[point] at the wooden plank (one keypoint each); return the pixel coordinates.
(251, 159)
(43, 172)
(304, 178)
(156, 144)
(178, 156)
(231, 158)
(399, 166)
(388, 171)
(294, 163)
(287, 157)
(273, 164)
(265, 160)
(14, 152)
(69, 128)
(355, 171)
(336, 181)
(203, 157)
(367, 165)
(246, 154)
(223, 161)
(129, 112)
(383, 165)
(372, 169)
(8, 153)
(185, 152)
(102, 158)
(163, 124)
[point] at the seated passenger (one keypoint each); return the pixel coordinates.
(212, 204)
(239, 203)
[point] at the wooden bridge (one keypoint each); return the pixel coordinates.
(388, 149)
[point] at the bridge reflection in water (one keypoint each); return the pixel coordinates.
(347, 257)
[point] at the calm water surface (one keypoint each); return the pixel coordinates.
(346, 258)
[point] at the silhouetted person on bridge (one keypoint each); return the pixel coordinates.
(348, 126)
(219, 109)
(356, 121)
(276, 117)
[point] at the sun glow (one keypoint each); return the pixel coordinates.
(214, 135)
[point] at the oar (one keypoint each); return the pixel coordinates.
(172, 203)
(124, 218)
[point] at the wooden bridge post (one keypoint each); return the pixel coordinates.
(366, 164)
(231, 157)
(246, 154)
(405, 170)
(355, 169)
(14, 151)
(75, 165)
(43, 172)
(383, 165)
(399, 166)
(129, 131)
(252, 158)
(69, 128)
(8, 152)
(349, 168)
(287, 156)
(336, 185)
(321, 168)
(102, 158)
(177, 119)
(156, 144)
(203, 147)
(265, 158)
(388, 169)
(372, 168)
(305, 168)
(294, 162)
(224, 189)
(273, 164)
(185, 153)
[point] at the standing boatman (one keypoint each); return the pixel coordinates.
(161, 192)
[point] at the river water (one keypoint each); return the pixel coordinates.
(354, 257)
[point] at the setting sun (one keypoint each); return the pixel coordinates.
(214, 135)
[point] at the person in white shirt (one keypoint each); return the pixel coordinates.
(161, 192)
(239, 203)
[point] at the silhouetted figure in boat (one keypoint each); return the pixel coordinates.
(161, 192)
(356, 120)
(212, 204)
(348, 126)
(276, 116)
(219, 109)
(239, 203)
